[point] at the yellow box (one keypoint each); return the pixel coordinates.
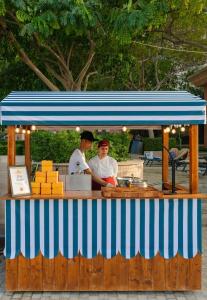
(40, 174)
(57, 188)
(47, 165)
(46, 191)
(40, 179)
(36, 190)
(35, 184)
(46, 185)
(52, 177)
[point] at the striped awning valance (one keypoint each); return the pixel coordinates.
(102, 108)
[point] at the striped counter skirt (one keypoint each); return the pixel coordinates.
(103, 244)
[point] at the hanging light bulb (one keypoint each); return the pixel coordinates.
(124, 129)
(167, 129)
(182, 129)
(77, 129)
(28, 131)
(173, 131)
(17, 130)
(33, 127)
(23, 131)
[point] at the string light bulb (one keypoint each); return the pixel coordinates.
(182, 129)
(124, 129)
(17, 130)
(77, 129)
(33, 127)
(173, 131)
(23, 131)
(28, 131)
(167, 129)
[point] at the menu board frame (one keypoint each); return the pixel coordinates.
(19, 179)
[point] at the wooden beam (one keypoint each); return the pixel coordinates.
(193, 164)
(27, 152)
(165, 143)
(11, 151)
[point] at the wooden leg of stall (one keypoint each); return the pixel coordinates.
(27, 153)
(165, 143)
(11, 158)
(193, 165)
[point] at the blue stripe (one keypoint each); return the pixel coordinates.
(152, 228)
(161, 226)
(180, 227)
(84, 226)
(75, 227)
(17, 225)
(100, 123)
(199, 225)
(132, 228)
(65, 228)
(113, 227)
(190, 228)
(37, 226)
(171, 228)
(27, 229)
(142, 227)
(104, 222)
(46, 229)
(94, 228)
(103, 113)
(56, 227)
(8, 229)
(123, 227)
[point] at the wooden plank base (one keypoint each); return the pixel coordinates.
(100, 274)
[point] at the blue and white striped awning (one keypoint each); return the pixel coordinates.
(102, 108)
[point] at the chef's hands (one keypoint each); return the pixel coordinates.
(109, 185)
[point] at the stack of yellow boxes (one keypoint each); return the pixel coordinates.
(46, 182)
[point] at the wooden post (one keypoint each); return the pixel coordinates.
(205, 126)
(165, 143)
(27, 153)
(193, 164)
(11, 151)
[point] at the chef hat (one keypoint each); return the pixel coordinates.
(103, 143)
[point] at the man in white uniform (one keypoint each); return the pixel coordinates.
(104, 166)
(77, 162)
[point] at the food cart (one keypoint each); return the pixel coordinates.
(83, 241)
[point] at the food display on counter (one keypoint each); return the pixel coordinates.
(47, 181)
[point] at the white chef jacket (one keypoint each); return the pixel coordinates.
(77, 157)
(105, 167)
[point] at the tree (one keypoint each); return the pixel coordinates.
(66, 42)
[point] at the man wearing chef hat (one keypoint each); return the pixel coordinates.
(78, 164)
(103, 165)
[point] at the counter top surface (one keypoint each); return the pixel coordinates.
(94, 195)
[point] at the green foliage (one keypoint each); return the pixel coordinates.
(155, 144)
(59, 146)
(19, 147)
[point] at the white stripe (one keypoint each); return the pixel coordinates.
(70, 228)
(166, 228)
(13, 229)
(60, 221)
(42, 230)
(22, 226)
(128, 217)
(101, 108)
(175, 227)
(118, 226)
(89, 228)
(185, 228)
(105, 118)
(156, 226)
(108, 228)
(99, 225)
(147, 228)
(137, 226)
(51, 228)
(80, 224)
(195, 227)
(32, 229)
